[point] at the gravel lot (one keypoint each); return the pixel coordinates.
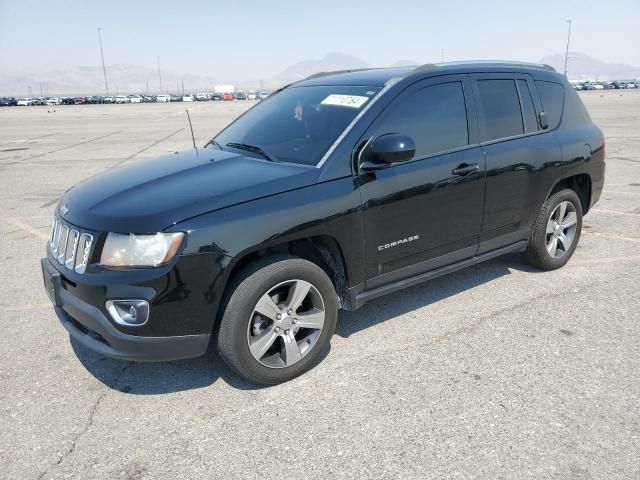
(497, 371)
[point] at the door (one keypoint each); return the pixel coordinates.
(425, 213)
(520, 156)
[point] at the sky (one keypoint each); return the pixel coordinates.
(238, 39)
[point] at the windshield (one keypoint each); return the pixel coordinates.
(299, 124)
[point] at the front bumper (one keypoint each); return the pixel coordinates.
(88, 325)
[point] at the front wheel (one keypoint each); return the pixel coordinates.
(278, 320)
(556, 232)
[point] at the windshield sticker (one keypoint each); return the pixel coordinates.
(297, 112)
(353, 101)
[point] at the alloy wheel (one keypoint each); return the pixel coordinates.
(286, 323)
(561, 229)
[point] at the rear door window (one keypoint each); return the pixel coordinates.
(435, 117)
(499, 113)
(552, 98)
(528, 110)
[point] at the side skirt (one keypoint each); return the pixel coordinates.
(360, 297)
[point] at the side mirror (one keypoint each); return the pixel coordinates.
(387, 149)
(544, 121)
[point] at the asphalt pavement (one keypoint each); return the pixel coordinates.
(496, 371)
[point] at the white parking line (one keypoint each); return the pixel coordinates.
(16, 222)
(617, 192)
(612, 235)
(615, 212)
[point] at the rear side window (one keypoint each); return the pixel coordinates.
(499, 109)
(528, 110)
(435, 117)
(552, 97)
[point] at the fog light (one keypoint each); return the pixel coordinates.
(129, 312)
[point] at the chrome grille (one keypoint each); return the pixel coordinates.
(70, 247)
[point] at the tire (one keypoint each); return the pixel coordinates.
(540, 251)
(245, 331)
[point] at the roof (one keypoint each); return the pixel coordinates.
(368, 76)
(380, 76)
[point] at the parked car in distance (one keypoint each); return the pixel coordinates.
(631, 85)
(201, 97)
(240, 96)
(342, 188)
(8, 102)
(262, 95)
(109, 99)
(188, 98)
(148, 99)
(82, 101)
(163, 98)
(227, 97)
(68, 101)
(216, 97)
(135, 99)
(96, 99)
(24, 101)
(39, 101)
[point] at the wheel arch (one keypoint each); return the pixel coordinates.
(322, 250)
(581, 184)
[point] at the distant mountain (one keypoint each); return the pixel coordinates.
(584, 67)
(405, 63)
(83, 80)
(127, 78)
(331, 61)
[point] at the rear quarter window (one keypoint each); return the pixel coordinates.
(552, 98)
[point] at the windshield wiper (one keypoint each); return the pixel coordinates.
(252, 149)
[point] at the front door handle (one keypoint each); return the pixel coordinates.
(465, 169)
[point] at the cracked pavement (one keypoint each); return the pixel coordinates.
(496, 371)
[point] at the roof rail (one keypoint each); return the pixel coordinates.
(335, 72)
(429, 66)
(497, 63)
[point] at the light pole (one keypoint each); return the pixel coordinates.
(566, 54)
(159, 74)
(104, 69)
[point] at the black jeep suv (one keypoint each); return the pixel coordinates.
(335, 190)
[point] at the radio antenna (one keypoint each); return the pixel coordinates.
(191, 127)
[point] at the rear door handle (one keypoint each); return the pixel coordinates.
(465, 169)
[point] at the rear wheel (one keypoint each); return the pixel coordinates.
(556, 232)
(278, 320)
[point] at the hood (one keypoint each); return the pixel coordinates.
(151, 195)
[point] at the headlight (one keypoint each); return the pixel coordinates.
(140, 250)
